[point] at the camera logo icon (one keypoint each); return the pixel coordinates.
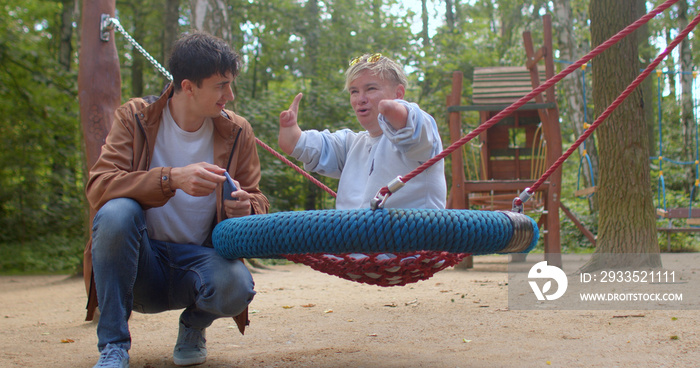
(542, 270)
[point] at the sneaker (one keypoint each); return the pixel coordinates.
(191, 346)
(113, 356)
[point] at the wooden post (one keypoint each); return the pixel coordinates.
(455, 120)
(552, 132)
(99, 78)
(99, 86)
(554, 151)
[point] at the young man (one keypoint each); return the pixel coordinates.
(398, 138)
(157, 188)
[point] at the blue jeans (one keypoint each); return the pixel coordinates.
(133, 272)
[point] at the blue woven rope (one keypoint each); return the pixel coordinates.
(372, 231)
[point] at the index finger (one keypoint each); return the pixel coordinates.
(295, 104)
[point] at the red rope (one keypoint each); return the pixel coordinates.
(402, 269)
(618, 101)
(295, 167)
(523, 100)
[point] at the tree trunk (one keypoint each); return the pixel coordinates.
(137, 60)
(311, 33)
(65, 48)
(425, 37)
(646, 54)
(627, 223)
(211, 16)
(171, 15)
(449, 15)
(424, 16)
(573, 89)
(687, 115)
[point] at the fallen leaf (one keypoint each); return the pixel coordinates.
(465, 340)
(328, 311)
(287, 306)
(67, 341)
(372, 335)
(392, 305)
(310, 305)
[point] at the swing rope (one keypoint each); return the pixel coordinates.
(618, 101)
(385, 192)
(295, 167)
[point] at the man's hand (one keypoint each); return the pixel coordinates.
(239, 206)
(394, 112)
(198, 179)
(289, 129)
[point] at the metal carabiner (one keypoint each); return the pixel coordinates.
(520, 200)
(379, 199)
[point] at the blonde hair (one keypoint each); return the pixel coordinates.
(383, 67)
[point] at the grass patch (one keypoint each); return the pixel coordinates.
(47, 255)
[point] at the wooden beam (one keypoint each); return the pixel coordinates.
(679, 213)
(541, 53)
(500, 107)
(502, 185)
(587, 233)
(679, 229)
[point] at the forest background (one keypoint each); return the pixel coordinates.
(304, 46)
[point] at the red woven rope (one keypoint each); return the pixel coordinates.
(405, 268)
(295, 167)
(523, 100)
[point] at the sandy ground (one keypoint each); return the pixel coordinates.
(304, 318)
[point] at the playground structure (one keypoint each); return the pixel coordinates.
(98, 103)
(512, 148)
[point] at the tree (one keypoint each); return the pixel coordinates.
(212, 17)
(572, 87)
(627, 222)
(687, 113)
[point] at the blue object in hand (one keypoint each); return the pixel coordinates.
(229, 187)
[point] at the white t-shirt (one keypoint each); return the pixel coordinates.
(184, 219)
(365, 164)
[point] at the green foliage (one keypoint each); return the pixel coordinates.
(41, 162)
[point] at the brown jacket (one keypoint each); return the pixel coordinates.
(124, 168)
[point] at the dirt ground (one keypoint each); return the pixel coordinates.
(304, 318)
